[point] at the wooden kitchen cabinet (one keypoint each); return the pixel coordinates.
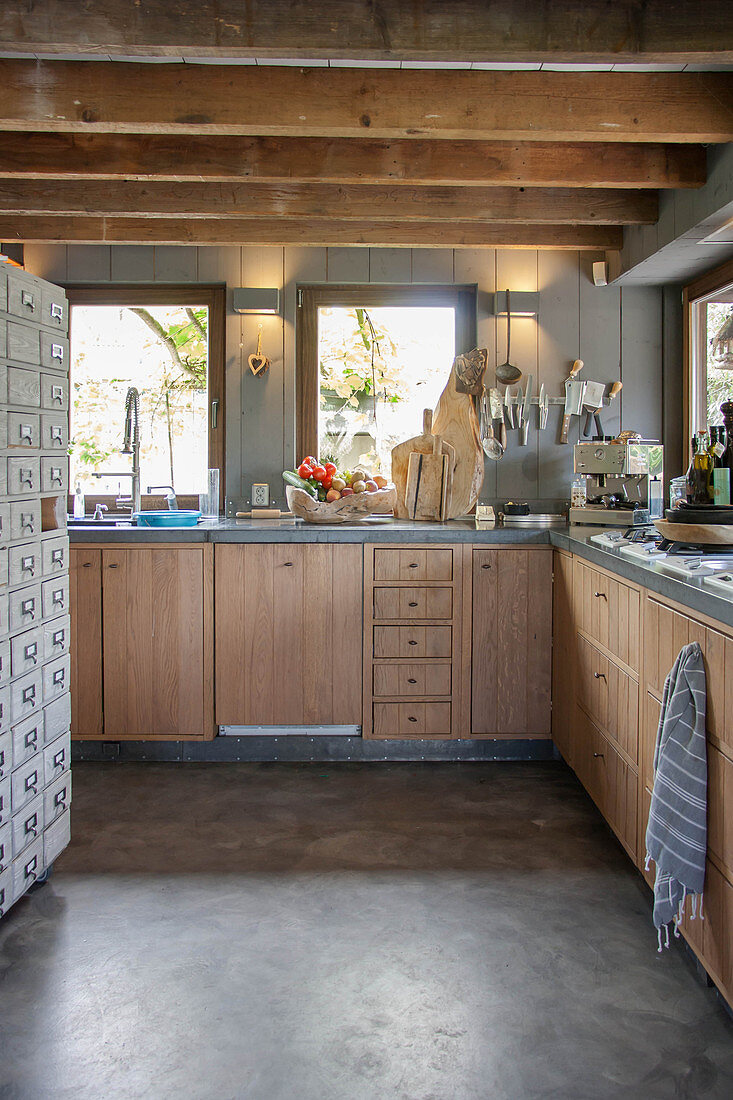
(142, 642)
(288, 634)
(85, 602)
(511, 642)
(563, 655)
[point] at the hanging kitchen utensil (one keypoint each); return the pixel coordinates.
(526, 405)
(258, 363)
(497, 414)
(508, 405)
(507, 372)
(574, 394)
(543, 407)
(492, 447)
(592, 402)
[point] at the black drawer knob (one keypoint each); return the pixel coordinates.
(411, 719)
(411, 680)
(413, 603)
(412, 643)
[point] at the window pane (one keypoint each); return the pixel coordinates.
(163, 352)
(719, 352)
(379, 368)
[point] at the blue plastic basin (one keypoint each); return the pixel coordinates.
(181, 518)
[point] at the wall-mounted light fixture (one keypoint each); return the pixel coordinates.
(522, 303)
(255, 299)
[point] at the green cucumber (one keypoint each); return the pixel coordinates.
(291, 478)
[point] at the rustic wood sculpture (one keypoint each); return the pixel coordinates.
(456, 421)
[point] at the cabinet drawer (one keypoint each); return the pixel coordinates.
(56, 759)
(4, 569)
(24, 387)
(54, 553)
(413, 565)
(56, 637)
(609, 695)
(54, 351)
(6, 754)
(24, 297)
(6, 847)
(4, 522)
(54, 392)
(24, 476)
(26, 868)
(55, 678)
(4, 709)
(412, 641)
(25, 519)
(4, 617)
(418, 679)
(25, 696)
(24, 344)
(26, 651)
(26, 784)
(25, 607)
(401, 720)
(55, 596)
(27, 739)
(413, 603)
(24, 562)
(23, 431)
(6, 891)
(720, 808)
(54, 475)
(4, 800)
(56, 718)
(57, 797)
(54, 309)
(54, 432)
(608, 612)
(5, 666)
(55, 838)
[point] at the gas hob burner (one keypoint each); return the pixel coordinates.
(642, 551)
(696, 566)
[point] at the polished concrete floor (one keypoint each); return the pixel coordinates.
(347, 932)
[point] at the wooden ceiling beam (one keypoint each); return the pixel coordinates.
(70, 96)
(351, 160)
(554, 205)
(306, 231)
(505, 30)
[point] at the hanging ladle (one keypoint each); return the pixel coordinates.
(507, 372)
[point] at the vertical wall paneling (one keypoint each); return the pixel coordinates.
(675, 447)
(390, 265)
(517, 473)
(262, 394)
(88, 263)
(641, 360)
(432, 265)
(347, 265)
(175, 263)
(302, 265)
(132, 263)
(600, 337)
(224, 265)
(478, 265)
(46, 260)
(558, 330)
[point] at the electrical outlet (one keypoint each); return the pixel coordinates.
(260, 495)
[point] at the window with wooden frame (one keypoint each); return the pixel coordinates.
(708, 348)
(168, 342)
(369, 360)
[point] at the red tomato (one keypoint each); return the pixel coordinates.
(318, 473)
(309, 460)
(330, 468)
(326, 481)
(305, 471)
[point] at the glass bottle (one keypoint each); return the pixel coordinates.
(702, 464)
(720, 477)
(727, 410)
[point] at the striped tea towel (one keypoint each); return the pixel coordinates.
(676, 834)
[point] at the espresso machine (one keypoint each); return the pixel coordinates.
(624, 483)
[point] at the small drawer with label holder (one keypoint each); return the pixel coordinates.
(54, 351)
(23, 431)
(56, 637)
(6, 846)
(25, 607)
(55, 597)
(55, 557)
(26, 696)
(56, 837)
(26, 651)
(26, 784)
(24, 476)
(26, 868)
(54, 392)
(5, 800)
(27, 739)
(6, 754)
(25, 519)
(56, 676)
(24, 562)
(6, 890)
(5, 661)
(57, 758)
(57, 797)
(54, 432)
(54, 309)
(54, 474)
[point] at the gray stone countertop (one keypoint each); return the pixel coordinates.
(692, 594)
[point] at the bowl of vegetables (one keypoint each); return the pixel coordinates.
(319, 493)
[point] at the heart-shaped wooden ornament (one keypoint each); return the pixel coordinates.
(258, 363)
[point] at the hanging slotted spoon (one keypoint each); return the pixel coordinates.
(491, 445)
(507, 372)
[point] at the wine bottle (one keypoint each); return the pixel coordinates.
(702, 469)
(720, 474)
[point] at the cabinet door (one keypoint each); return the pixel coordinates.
(157, 681)
(288, 634)
(85, 592)
(563, 656)
(511, 642)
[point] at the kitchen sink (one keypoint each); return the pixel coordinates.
(107, 521)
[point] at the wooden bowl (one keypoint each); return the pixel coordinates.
(346, 510)
(707, 534)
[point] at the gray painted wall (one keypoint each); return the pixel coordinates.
(627, 333)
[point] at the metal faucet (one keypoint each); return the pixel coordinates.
(170, 496)
(130, 446)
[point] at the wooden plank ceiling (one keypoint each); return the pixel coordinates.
(119, 151)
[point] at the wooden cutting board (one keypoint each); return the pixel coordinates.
(456, 421)
(419, 444)
(428, 483)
